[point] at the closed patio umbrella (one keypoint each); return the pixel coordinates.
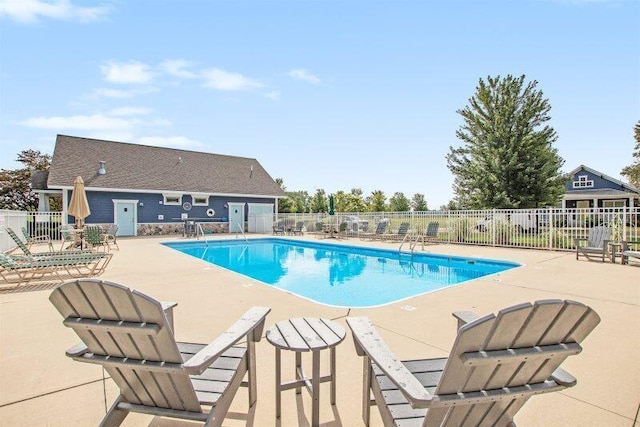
(79, 205)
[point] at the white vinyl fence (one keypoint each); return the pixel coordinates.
(550, 228)
(35, 224)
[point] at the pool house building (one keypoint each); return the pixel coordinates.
(148, 190)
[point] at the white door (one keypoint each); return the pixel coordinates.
(125, 215)
(236, 217)
(260, 218)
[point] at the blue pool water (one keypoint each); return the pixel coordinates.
(339, 275)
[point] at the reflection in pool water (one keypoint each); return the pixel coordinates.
(338, 275)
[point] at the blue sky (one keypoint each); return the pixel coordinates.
(325, 94)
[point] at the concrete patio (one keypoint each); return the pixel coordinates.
(39, 385)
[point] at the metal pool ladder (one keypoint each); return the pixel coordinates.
(241, 231)
(200, 230)
(412, 242)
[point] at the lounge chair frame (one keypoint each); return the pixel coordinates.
(18, 269)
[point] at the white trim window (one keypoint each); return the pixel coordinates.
(583, 182)
(172, 199)
(620, 203)
(200, 200)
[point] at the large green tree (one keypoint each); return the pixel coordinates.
(507, 159)
(284, 205)
(319, 201)
(340, 201)
(15, 185)
(418, 203)
(300, 201)
(632, 172)
(399, 203)
(377, 201)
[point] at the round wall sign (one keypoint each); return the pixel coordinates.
(210, 213)
(186, 206)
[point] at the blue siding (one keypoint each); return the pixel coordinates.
(150, 206)
(598, 182)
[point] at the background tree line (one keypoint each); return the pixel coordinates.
(352, 201)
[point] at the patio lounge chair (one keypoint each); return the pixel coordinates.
(496, 364)
(27, 251)
(320, 229)
(380, 229)
(278, 228)
(95, 237)
(111, 236)
(597, 243)
(627, 252)
(23, 269)
(399, 235)
(67, 236)
(34, 240)
(430, 235)
(129, 334)
(297, 230)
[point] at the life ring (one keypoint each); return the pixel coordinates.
(210, 213)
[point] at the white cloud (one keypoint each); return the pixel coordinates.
(274, 95)
(169, 141)
(304, 75)
(130, 111)
(33, 10)
(177, 67)
(118, 93)
(113, 93)
(223, 80)
(93, 122)
(126, 72)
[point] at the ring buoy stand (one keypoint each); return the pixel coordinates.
(210, 213)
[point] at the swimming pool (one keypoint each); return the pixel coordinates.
(340, 275)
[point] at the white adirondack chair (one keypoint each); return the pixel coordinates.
(131, 336)
(497, 363)
(597, 243)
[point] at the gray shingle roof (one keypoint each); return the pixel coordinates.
(142, 167)
(39, 180)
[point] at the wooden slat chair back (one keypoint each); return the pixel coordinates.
(597, 242)
(129, 334)
(114, 321)
(496, 364)
(597, 236)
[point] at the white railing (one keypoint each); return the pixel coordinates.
(35, 223)
(549, 228)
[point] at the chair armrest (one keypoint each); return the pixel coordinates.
(369, 343)
(167, 307)
(77, 350)
(579, 239)
(250, 325)
(563, 378)
(627, 243)
(464, 317)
